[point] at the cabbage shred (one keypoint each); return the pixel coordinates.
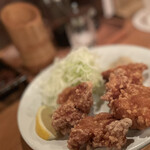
(79, 66)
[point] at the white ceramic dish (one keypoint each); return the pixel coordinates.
(32, 99)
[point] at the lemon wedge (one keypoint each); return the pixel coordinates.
(43, 125)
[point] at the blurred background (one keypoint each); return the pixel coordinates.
(34, 32)
(59, 14)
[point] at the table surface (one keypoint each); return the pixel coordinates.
(110, 32)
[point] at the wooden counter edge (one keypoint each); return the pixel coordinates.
(147, 147)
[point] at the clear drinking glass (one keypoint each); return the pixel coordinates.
(80, 30)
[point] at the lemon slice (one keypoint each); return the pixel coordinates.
(43, 125)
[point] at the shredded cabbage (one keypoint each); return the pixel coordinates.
(79, 66)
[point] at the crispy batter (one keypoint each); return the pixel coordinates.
(120, 77)
(117, 80)
(80, 95)
(127, 97)
(133, 103)
(132, 71)
(63, 97)
(101, 130)
(76, 104)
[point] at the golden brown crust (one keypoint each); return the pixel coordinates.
(133, 71)
(101, 130)
(76, 104)
(64, 95)
(133, 103)
(127, 97)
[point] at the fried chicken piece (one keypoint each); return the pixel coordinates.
(80, 96)
(133, 103)
(63, 97)
(119, 77)
(101, 130)
(133, 71)
(127, 98)
(75, 105)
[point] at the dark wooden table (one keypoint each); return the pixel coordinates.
(110, 32)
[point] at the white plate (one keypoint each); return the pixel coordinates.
(32, 99)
